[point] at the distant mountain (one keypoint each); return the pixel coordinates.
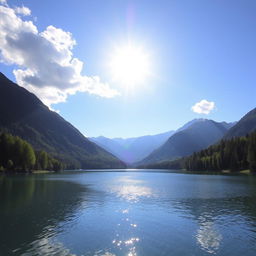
(194, 136)
(132, 150)
(246, 125)
(110, 145)
(23, 114)
(188, 124)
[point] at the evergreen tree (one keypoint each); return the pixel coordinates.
(251, 156)
(235, 154)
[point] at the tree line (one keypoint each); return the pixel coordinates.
(18, 155)
(235, 154)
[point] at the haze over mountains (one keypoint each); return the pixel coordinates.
(191, 137)
(132, 150)
(24, 115)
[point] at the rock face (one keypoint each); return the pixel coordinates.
(24, 115)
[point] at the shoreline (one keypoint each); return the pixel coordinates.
(227, 172)
(26, 172)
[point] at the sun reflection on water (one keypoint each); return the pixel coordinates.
(131, 190)
(208, 236)
(128, 241)
(129, 244)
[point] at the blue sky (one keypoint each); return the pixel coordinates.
(199, 50)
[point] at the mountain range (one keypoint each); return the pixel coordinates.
(132, 150)
(244, 127)
(198, 135)
(191, 137)
(24, 115)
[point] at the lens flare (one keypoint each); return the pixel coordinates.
(130, 65)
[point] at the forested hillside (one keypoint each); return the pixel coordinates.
(24, 115)
(18, 155)
(235, 154)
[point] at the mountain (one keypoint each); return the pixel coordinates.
(132, 150)
(244, 126)
(110, 145)
(194, 136)
(188, 124)
(24, 115)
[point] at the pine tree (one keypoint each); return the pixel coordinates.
(251, 155)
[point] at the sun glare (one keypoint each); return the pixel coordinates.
(129, 65)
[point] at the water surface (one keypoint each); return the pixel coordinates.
(127, 213)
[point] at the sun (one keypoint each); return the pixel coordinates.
(129, 65)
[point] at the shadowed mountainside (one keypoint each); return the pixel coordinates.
(24, 115)
(198, 135)
(244, 126)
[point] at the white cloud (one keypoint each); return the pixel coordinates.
(4, 2)
(47, 67)
(203, 107)
(22, 10)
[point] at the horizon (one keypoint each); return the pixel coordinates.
(134, 69)
(146, 135)
(124, 138)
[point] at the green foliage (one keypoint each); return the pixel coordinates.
(28, 156)
(42, 160)
(18, 155)
(235, 154)
(56, 165)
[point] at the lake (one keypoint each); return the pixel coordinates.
(127, 213)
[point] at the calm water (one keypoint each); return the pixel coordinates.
(127, 213)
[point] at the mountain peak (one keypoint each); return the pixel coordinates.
(192, 122)
(191, 137)
(133, 149)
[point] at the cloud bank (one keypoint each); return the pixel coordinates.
(46, 66)
(203, 107)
